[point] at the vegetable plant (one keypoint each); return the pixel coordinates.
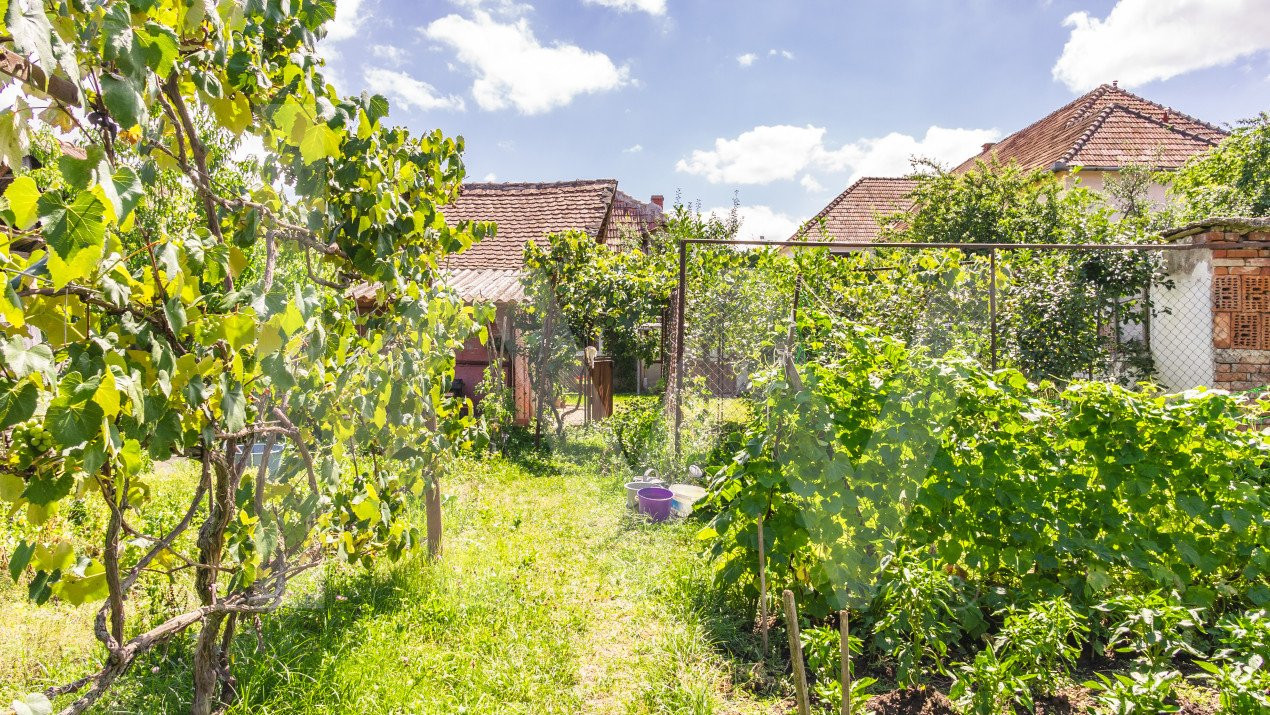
(1044, 638)
(822, 646)
(991, 684)
(1242, 686)
(1153, 627)
(918, 621)
(1136, 693)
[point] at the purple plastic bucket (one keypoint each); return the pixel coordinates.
(655, 502)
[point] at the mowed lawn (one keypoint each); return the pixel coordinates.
(550, 598)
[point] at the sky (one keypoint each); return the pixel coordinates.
(779, 104)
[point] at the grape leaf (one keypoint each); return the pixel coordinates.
(73, 422)
(44, 490)
(20, 558)
(23, 196)
(76, 232)
(23, 360)
(17, 404)
(320, 142)
(123, 100)
(32, 704)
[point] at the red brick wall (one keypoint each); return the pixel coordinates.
(1241, 311)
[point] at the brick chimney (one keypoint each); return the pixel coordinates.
(988, 145)
(659, 201)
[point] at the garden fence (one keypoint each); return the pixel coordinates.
(1177, 315)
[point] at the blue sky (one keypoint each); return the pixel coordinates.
(783, 103)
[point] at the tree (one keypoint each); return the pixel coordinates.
(1231, 180)
(143, 313)
(1000, 203)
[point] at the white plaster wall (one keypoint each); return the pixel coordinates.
(1182, 324)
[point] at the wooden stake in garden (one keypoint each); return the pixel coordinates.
(844, 628)
(762, 588)
(796, 654)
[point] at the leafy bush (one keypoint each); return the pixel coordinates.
(822, 647)
(1044, 638)
(1231, 180)
(637, 432)
(1153, 627)
(1241, 687)
(919, 609)
(992, 685)
(1244, 634)
(1137, 693)
(1020, 486)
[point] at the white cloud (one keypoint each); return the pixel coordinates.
(407, 91)
(809, 183)
(782, 53)
(652, 7)
(1145, 40)
(759, 222)
(490, 178)
(634, 149)
(514, 69)
(780, 153)
(392, 55)
(746, 59)
(349, 18)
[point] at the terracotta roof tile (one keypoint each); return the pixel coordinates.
(1107, 128)
(526, 212)
(631, 218)
(853, 215)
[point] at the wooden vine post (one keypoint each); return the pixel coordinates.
(844, 627)
(796, 654)
(762, 588)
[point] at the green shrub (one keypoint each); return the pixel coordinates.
(1244, 634)
(822, 647)
(919, 609)
(1045, 638)
(1137, 693)
(638, 433)
(1241, 687)
(991, 685)
(1153, 627)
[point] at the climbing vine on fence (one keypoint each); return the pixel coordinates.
(1022, 486)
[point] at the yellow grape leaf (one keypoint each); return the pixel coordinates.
(82, 589)
(320, 142)
(366, 509)
(11, 486)
(23, 196)
(237, 261)
(60, 556)
(107, 395)
(234, 111)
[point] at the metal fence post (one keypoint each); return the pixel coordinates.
(992, 302)
(679, 341)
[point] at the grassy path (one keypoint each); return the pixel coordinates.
(551, 598)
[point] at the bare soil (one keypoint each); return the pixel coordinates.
(912, 701)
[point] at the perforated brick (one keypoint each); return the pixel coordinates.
(1246, 331)
(1256, 293)
(1226, 293)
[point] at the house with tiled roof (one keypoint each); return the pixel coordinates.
(491, 269)
(1094, 136)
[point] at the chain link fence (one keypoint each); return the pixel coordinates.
(1178, 316)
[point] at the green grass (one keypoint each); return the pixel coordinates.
(550, 598)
